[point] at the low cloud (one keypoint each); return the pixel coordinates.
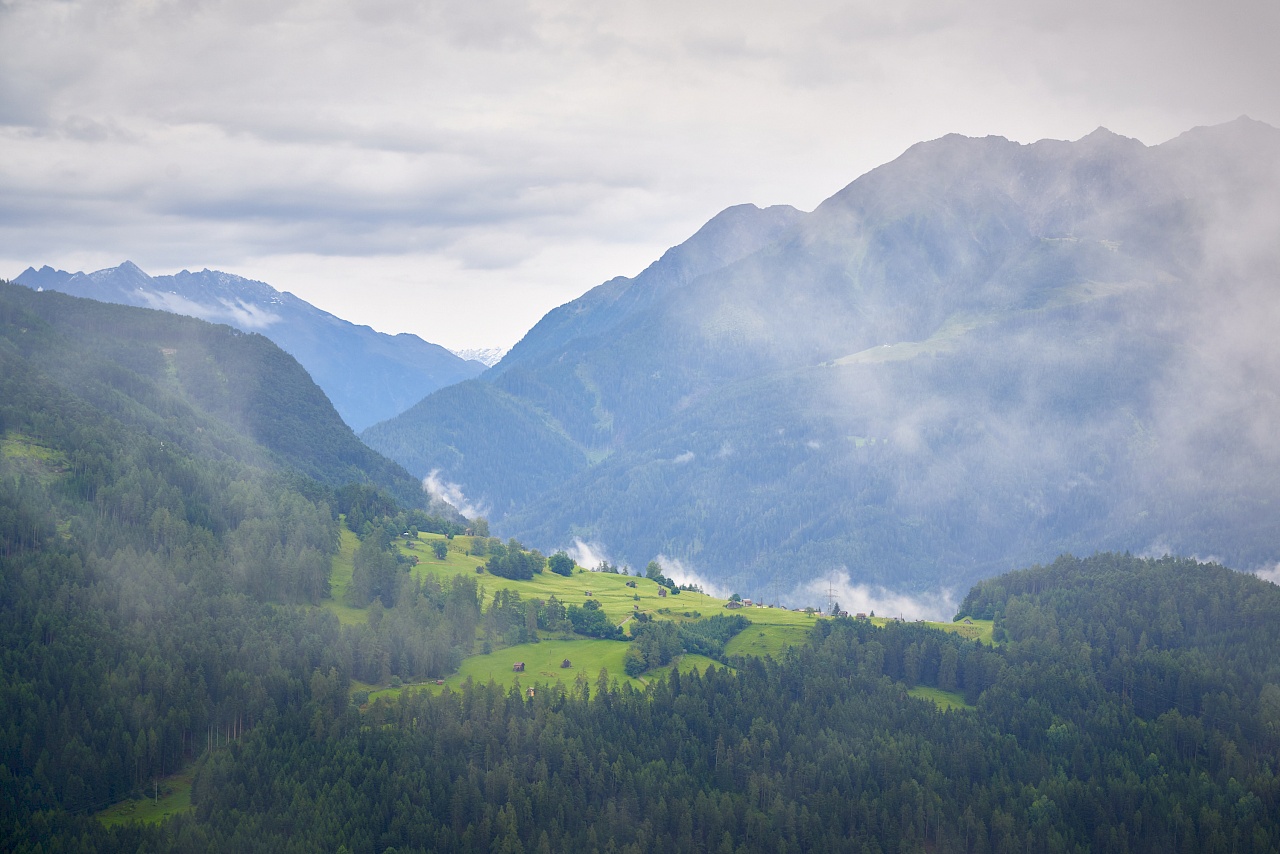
(238, 313)
(676, 570)
(686, 457)
(451, 493)
(1269, 573)
(865, 598)
(588, 554)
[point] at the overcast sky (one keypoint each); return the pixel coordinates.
(457, 169)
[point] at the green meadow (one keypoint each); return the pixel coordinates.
(944, 700)
(340, 579)
(618, 601)
(174, 797)
(763, 638)
(772, 630)
(979, 630)
(543, 664)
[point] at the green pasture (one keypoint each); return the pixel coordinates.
(771, 633)
(979, 630)
(618, 601)
(175, 797)
(942, 699)
(340, 579)
(764, 639)
(542, 664)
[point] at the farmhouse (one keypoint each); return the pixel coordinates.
(734, 605)
(662, 592)
(518, 667)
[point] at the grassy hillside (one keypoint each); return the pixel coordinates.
(772, 632)
(340, 579)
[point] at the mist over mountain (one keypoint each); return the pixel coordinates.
(977, 356)
(370, 376)
(219, 395)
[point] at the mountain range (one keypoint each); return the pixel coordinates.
(369, 376)
(977, 356)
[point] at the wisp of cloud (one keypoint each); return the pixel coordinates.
(676, 570)
(451, 493)
(864, 598)
(587, 554)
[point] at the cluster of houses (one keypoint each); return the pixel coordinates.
(747, 603)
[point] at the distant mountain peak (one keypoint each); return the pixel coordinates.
(1103, 138)
(487, 356)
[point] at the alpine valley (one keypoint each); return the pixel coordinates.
(227, 624)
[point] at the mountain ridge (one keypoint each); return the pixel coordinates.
(369, 375)
(168, 375)
(1040, 302)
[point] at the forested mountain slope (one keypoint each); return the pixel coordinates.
(169, 493)
(213, 389)
(369, 376)
(1131, 705)
(977, 356)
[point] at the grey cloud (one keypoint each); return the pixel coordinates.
(242, 314)
(452, 494)
(379, 128)
(856, 598)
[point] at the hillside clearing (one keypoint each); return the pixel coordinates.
(944, 700)
(175, 798)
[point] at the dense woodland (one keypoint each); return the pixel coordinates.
(164, 536)
(1132, 705)
(161, 565)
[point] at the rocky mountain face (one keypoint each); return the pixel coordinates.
(370, 376)
(977, 356)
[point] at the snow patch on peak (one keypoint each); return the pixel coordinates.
(487, 356)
